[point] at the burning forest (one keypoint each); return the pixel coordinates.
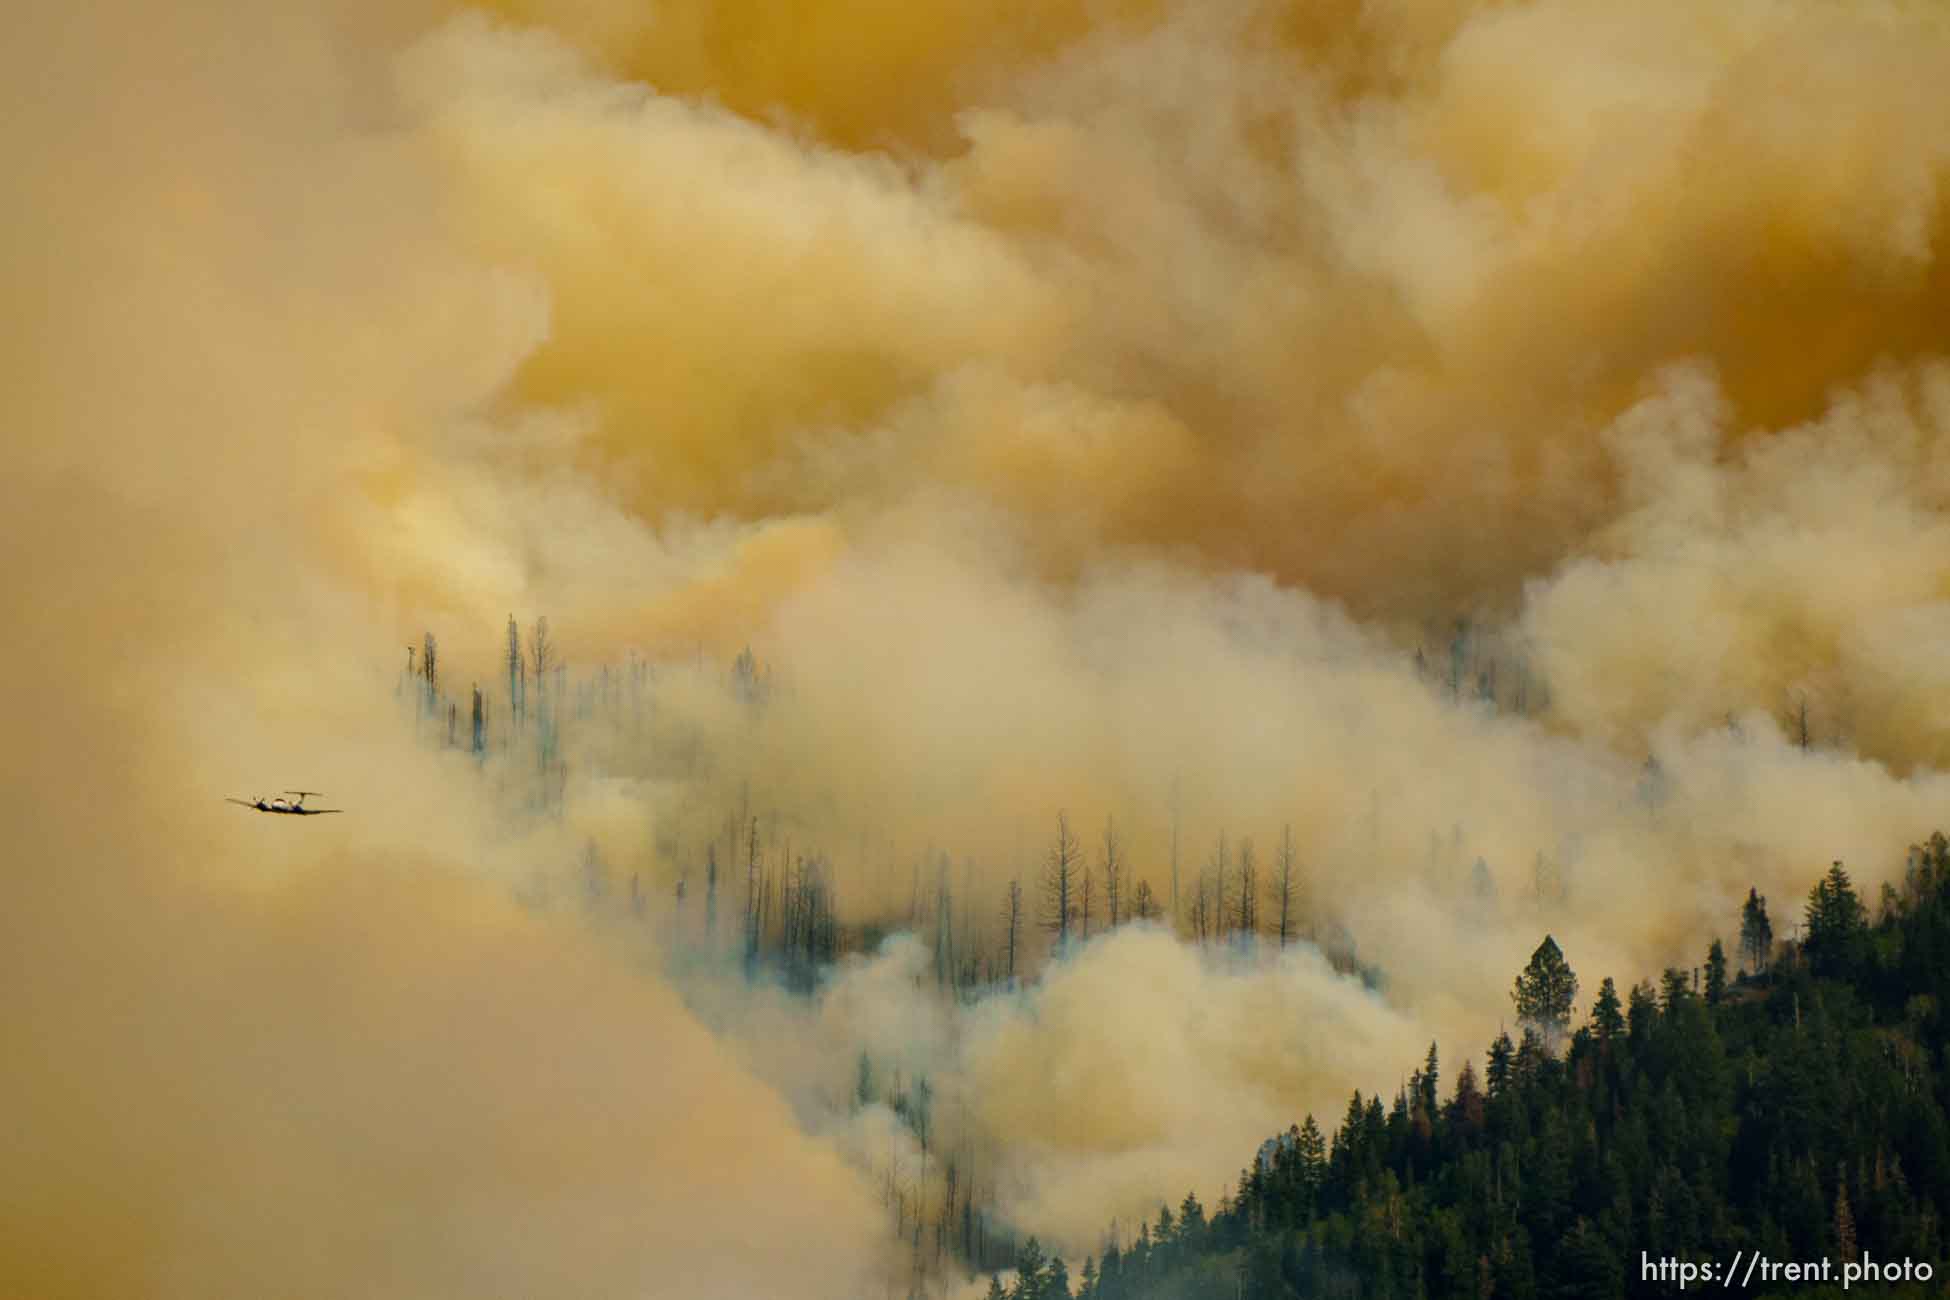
(1123, 649)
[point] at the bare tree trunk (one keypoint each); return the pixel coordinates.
(1283, 884)
(1012, 920)
(1060, 884)
(1113, 873)
(1174, 854)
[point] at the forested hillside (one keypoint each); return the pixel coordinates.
(1797, 1110)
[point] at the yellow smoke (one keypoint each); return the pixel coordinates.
(1083, 406)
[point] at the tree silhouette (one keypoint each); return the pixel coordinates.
(1062, 882)
(1544, 993)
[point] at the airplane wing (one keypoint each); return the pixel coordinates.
(241, 803)
(316, 812)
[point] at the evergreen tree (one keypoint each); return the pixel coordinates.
(1030, 1264)
(1191, 1216)
(1545, 991)
(1756, 932)
(1311, 1152)
(1502, 1053)
(1673, 989)
(1467, 1109)
(1836, 922)
(1607, 1017)
(1716, 974)
(1641, 1012)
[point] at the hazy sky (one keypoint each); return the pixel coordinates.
(1069, 404)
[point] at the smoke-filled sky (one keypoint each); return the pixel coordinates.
(1085, 407)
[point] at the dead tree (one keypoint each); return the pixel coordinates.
(1061, 870)
(1282, 884)
(514, 673)
(1113, 873)
(1012, 925)
(711, 890)
(1221, 868)
(430, 671)
(752, 920)
(1246, 917)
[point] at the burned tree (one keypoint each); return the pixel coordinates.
(515, 673)
(1061, 882)
(711, 889)
(1012, 926)
(1282, 886)
(430, 671)
(1113, 873)
(1246, 914)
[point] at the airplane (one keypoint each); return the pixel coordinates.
(291, 807)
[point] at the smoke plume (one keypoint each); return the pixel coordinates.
(1504, 448)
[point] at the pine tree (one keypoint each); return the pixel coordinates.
(1502, 1053)
(1427, 1090)
(1756, 932)
(1836, 920)
(1607, 1018)
(1030, 1263)
(1191, 1216)
(1545, 991)
(1716, 974)
(1673, 989)
(1641, 1011)
(1467, 1109)
(1311, 1149)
